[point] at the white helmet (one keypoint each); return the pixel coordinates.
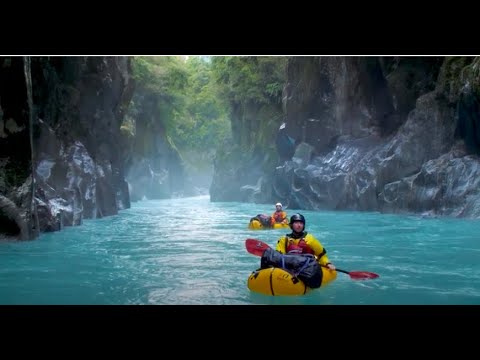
(278, 204)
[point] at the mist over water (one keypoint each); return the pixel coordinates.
(191, 251)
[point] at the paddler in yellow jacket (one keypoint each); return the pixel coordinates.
(279, 216)
(300, 242)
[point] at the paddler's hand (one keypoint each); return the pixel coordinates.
(330, 266)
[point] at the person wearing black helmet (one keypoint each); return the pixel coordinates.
(301, 242)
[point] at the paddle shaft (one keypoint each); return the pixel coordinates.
(339, 270)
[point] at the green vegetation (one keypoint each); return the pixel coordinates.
(180, 97)
(253, 88)
(193, 101)
(251, 79)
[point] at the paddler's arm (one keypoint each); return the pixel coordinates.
(319, 251)
(281, 245)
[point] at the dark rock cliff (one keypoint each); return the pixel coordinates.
(244, 165)
(61, 153)
(154, 167)
(377, 134)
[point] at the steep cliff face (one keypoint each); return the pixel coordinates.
(244, 164)
(18, 218)
(155, 169)
(328, 96)
(74, 154)
(395, 135)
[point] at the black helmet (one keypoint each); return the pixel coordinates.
(297, 217)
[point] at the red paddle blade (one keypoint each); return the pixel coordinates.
(362, 275)
(256, 247)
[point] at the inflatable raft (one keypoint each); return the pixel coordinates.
(276, 281)
(264, 222)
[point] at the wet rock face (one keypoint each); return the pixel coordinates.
(378, 134)
(448, 186)
(80, 168)
(15, 150)
(329, 97)
(67, 188)
(12, 225)
(73, 153)
(407, 143)
(468, 127)
(157, 176)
